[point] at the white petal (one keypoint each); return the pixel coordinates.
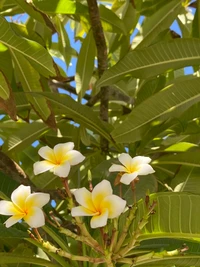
(35, 217)
(100, 191)
(114, 204)
(12, 220)
(99, 220)
(141, 160)
(145, 169)
(74, 157)
(7, 208)
(47, 153)
(125, 159)
(81, 211)
(61, 150)
(42, 166)
(37, 200)
(20, 195)
(127, 178)
(117, 168)
(62, 170)
(84, 198)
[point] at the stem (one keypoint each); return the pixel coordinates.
(37, 234)
(66, 186)
(136, 233)
(102, 62)
(82, 239)
(129, 220)
(114, 234)
(65, 254)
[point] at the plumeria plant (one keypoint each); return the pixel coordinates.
(114, 228)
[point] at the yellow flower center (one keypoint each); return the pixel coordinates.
(132, 168)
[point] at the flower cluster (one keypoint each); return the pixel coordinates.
(101, 204)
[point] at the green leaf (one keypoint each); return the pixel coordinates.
(187, 180)
(12, 233)
(6, 62)
(60, 6)
(34, 52)
(15, 258)
(63, 41)
(35, 14)
(173, 210)
(7, 102)
(159, 21)
(80, 113)
(110, 21)
(180, 147)
(151, 61)
(85, 64)
(30, 80)
(187, 158)
(24, 137)
(174, 98)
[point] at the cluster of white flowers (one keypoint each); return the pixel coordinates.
(100, 204)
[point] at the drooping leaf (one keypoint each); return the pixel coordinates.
(176, 97)
(187, 158)
(25, 136)
(30, 80)
(151, 61)
(80, 113)
(35, 53)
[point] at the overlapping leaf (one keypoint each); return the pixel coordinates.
(151, 61)
(35, 53)
(175, 98)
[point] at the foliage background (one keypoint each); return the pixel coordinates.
(129, 92)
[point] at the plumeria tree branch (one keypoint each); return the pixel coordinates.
(102, 61)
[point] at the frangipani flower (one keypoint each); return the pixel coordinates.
(25, 205)
(58, 160)
(101, 204)
(132, 167)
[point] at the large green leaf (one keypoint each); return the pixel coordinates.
(159, 21)
(80, 113)
(175, 216)
(25, 136)
(30, 80)
(151, 61)
(187, 158)
(174, 98)
(34, 52)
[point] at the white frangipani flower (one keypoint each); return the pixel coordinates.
(25, 205)
(58, 160)
(132, 167)
(101, 204)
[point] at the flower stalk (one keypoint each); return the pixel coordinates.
(134, 237)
